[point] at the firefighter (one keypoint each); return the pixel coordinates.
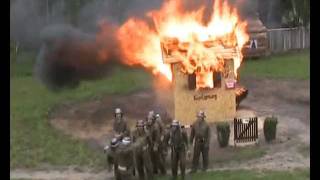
(162, 134)
(120, 126)
(124, 158)
(160, 122)
(177, 139)
(111, 152)
(150, 117)
(142, 155)
(155, 130)
(200, 136)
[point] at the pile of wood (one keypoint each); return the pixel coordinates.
(173, 51)
(258, 35)
(241, 93)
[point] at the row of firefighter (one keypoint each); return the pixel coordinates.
(141, 154)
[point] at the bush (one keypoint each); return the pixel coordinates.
(223, 130)
(270, 128)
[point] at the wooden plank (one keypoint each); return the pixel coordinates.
(256, 130)
(246, 127)
(250, 131)
(172, 49)
(241, 131)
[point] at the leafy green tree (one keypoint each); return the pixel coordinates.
(289, 13)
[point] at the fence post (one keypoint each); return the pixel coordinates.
(303, 39)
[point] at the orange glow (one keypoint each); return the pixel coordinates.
(204, 80)
(140, 44)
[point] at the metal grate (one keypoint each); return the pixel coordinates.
(245, 130)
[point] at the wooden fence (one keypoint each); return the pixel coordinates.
(245, 131)
(284, 39)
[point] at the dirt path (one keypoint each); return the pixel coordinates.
(67, 174)
(278, 160)
(289, 100)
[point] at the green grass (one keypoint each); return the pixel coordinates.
(249, 175)
(294, 65)
(32, 141)
(21, 65)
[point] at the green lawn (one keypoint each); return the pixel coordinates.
(289, 65)
(34, 143)
(248, 175)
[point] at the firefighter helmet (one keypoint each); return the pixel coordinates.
(175, 123)
(117, 111)
(114, 142)
(201, 114)
(157, 115)
(126, 140)
(151, 114)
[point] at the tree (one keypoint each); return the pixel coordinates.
(73, 8)
(289, 13)
(296, 13)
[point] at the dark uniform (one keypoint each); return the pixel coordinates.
(200, 134)
(120, 126)
(155, 130)
(111, 154)
(142, 155)
(124, 158)
(178, 141)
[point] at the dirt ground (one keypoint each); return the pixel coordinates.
(289, 100)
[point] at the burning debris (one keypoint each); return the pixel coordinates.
(241, 93)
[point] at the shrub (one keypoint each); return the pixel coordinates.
(270, 128)
(223, 129)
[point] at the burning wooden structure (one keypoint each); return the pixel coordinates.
(199, 58)
(218, 100)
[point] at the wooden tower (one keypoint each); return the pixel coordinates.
(219, 102)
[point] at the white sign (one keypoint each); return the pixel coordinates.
(245, 121)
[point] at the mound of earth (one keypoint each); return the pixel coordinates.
(92, 120)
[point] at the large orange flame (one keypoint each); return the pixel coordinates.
(140, 44)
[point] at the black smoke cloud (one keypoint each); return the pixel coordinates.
(68, 56)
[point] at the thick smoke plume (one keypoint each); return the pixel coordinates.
(69, 54)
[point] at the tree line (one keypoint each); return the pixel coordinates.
(36, 14)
